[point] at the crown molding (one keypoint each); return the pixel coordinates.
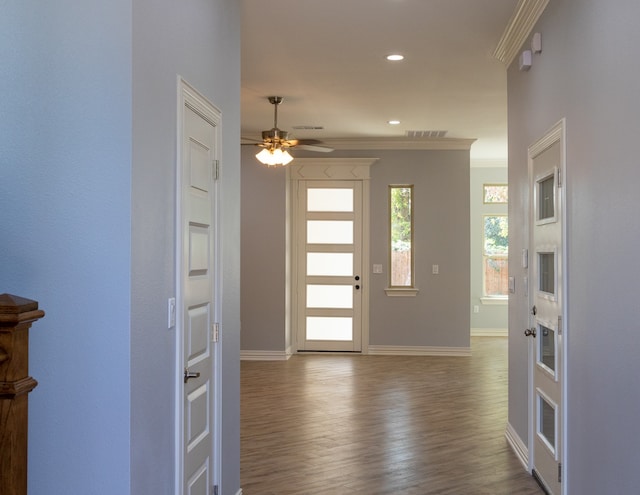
(518, 29)
(398, 143)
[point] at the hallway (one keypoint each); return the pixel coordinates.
(341, 424)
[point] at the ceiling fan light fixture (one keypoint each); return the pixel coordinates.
(274, 157)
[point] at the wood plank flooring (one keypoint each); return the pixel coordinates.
(350, 424)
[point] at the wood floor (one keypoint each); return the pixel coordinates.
(344, 424)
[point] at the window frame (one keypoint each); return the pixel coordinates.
(492, 298)
(401, 290)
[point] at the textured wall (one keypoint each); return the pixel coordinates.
(586, 74)
(87, 192)
(65, 182)
(200, 42)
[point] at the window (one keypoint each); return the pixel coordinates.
(495, 193)
(495, 251)
(401, 236)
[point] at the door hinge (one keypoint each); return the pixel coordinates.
(559, 325)
(559, 472)
(214, 490)
(559, 178)
(215, 169)
(215, 332)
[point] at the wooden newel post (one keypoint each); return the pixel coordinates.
(16, 316)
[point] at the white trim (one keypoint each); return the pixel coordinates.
(399, 143)
(401, 292)
(495, 300)
(517, 445)
(331, 168)
(264, 355)
(403, 350)
(239, 492)
(518, 30)
(489, 332)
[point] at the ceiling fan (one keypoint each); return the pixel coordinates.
(275, 142)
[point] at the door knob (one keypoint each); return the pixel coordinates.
(530, 332)
(190, 374)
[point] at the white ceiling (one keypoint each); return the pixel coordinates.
(327, 59)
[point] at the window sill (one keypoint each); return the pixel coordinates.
(495, 300)
(401, 292)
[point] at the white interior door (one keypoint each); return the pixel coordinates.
(329, 269)
(546, 294)
(197, 300)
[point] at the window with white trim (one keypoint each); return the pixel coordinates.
(495, 250)
(401, 236)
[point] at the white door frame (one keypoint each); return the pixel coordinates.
(188, 96)
(556, 134)
(327, 169)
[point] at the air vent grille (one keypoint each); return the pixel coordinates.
(308, 127)
(426, 134)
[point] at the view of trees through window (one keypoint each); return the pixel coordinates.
(496, 193)
(401, 209)
(496, 250)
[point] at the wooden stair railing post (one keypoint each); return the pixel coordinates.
(16, 316)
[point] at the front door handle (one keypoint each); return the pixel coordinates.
(190, 374)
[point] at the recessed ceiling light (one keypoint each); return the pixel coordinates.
(393, 122)
(395, 57)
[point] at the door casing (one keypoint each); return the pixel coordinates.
(325, 169)
(189, 97)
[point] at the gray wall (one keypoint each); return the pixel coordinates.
(587, 74)
(199, 41)
(87, 194)
(263, 255)
(494, 317)
(437, 316)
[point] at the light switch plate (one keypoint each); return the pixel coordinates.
(435, 269)
(377, 268)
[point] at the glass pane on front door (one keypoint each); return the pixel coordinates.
(329, 296)
(547, 349)
(546, 199)
(329, 328)
(546, 273)
(547, 422)
(330, 199)
(330, 264)
(330, 231)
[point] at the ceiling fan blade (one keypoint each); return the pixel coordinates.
(314, 147)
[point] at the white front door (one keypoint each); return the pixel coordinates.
(196, 197)
(329, 269)
(547, 299)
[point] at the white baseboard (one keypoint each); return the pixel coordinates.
(489, 332)
(402, 350)
(239, 492)
(518, 446)
(264, 355)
